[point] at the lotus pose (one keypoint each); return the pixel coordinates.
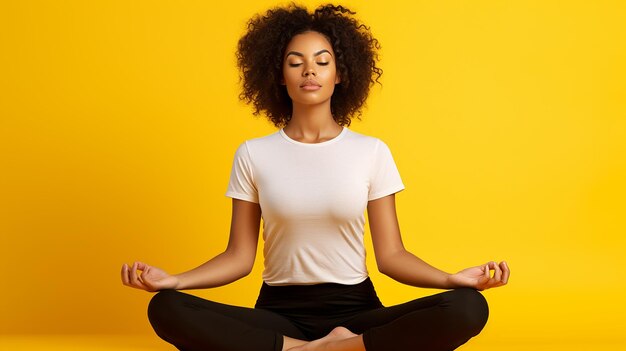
(311, 182)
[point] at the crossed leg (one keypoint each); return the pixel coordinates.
(192, 323)
(440, 322)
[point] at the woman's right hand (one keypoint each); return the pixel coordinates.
(151, 278)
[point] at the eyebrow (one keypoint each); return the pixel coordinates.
(301, 55)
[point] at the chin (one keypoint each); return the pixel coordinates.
(310, 99)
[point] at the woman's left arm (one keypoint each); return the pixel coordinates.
(396, 262)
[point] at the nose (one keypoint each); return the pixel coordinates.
(309, 71)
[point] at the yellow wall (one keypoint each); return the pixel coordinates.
(119, 121)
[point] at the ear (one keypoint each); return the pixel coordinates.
(282, 81)
(337, 79)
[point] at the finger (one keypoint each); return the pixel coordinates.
(134, 279)
(146, 281)
(506, 272)
(497, 276)
(144, 274)
(125, 274)
(131, 273)
(129, 276)
(483, 280)
(491, 281)
(142, 266)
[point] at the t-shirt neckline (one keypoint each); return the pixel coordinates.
(323, 143)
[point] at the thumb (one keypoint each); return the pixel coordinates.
(147, 281)
(145, 274)
(145, 270)
(142, 266)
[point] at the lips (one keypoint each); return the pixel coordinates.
(310, 83)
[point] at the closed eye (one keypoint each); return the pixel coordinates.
(298, 64)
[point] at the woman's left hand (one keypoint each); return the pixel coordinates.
(479, 277)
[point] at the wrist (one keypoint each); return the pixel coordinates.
(179, 282)
(450, 282)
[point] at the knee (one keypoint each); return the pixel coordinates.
(470, 309)
(161, 306)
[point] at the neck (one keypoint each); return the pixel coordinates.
(312, 123)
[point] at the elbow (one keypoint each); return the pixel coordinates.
(246, 270)
(391, 272)
(387, 272)
(247, 263)
(383, 268)
(241, 264)
(388, 264)
(243, 267)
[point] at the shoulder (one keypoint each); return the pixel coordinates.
(365, 142)
(269, 139)
(258, 142)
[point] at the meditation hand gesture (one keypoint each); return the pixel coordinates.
(479, 277)
(151, 278)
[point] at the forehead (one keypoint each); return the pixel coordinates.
(309, 42)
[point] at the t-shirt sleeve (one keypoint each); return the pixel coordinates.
(241, 184)
(385, 178)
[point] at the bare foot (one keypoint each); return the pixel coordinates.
(337, 334)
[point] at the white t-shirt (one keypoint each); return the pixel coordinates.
(313, 197)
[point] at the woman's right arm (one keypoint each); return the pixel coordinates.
(234, 263)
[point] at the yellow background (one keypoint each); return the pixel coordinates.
(507, 120)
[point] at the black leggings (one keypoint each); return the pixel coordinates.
(443, 321)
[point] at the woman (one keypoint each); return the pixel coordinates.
(311, 182)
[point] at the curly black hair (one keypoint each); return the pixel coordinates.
(260, 57)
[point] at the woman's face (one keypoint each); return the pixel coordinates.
(309, 69)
